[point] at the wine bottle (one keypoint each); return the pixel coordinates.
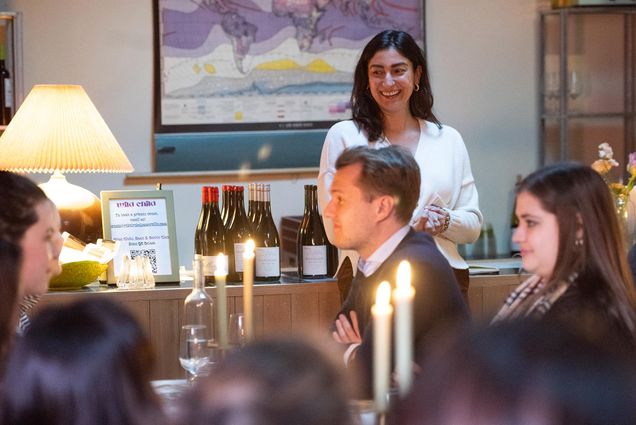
(313, 245)
(515, 250)
(224, 207)
(302, 228)
(198, 233)
(258, 204)
(6, 88)
(267, 261)
(213, 238)
(230, 212)
(251, 195)
(239, 232)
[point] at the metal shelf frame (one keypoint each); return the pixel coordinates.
(563, 116)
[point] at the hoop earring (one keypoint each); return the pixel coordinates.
(417, 87)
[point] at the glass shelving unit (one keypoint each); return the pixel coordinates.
(11, 40)
(587, 82)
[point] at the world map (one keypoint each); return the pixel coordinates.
(285, 62)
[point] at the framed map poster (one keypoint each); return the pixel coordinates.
(256, 83)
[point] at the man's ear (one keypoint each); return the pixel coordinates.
(385, 207)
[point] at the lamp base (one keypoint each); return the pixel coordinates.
(85, 224)
(80, 210)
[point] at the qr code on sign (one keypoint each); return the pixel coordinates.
(150, 253)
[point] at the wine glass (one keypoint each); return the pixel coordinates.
(194, 352)
(236, 330)
(575, 85)
(551, 92)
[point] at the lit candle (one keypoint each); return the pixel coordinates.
(403, 301)
(248, 282)
(220, 274)
(382, 311)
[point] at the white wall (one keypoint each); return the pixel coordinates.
(482, 56)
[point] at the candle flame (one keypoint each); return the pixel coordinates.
(249, 246)
(383, 294)
(404, 276)
(220, 264)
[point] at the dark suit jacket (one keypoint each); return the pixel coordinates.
(437, 298)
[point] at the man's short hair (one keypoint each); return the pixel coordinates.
(386, 171)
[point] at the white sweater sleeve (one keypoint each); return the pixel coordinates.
(466, 218)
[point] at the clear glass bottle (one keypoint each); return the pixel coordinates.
(198, 305)
(515, 250)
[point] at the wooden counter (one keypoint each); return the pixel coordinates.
(278, 308)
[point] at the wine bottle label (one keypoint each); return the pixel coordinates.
(314, 260)
(210, 263)
(8, 93)
(267, 261)
(238, 256)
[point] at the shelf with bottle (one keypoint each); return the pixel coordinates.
(11, 82)
(584, 53)
(588, 134)
(587, 81)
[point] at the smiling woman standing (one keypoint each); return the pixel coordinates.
(571, 241)
(392, 104)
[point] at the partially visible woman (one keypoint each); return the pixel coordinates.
(392, 103)
(571, 241)
(9, 268)
(85, 363)
(31, 221)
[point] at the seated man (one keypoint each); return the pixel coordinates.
(373, 195)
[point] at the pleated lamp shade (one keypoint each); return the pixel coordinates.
(58, 130)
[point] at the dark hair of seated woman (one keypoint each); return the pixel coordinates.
(84, 363)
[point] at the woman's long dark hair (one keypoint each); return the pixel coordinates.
(85, 363)
(365, 111)
(580, 200)
(10, 257)
(18, 197)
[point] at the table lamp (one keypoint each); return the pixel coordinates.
(58, 130)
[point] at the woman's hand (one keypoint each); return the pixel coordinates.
(434, 220)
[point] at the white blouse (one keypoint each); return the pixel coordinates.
(447, 180)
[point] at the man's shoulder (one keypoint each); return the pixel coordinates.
(418, 243)
(421, 251)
